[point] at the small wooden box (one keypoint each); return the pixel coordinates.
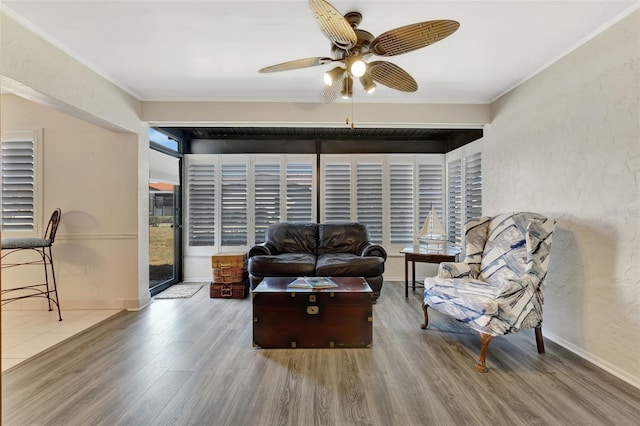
(229, 291)
(339, 317)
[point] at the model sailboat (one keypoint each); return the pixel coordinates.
(432, 231)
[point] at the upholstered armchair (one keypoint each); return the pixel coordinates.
(498, 289)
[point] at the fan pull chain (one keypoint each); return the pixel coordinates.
(352, 121)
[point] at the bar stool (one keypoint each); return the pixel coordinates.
(48, 289)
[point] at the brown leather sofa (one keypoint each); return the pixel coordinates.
(323, 250)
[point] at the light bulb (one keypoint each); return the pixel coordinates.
(358, 68)
(333, 75)
(367, 83)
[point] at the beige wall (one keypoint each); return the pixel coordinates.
(88, 173)
(567, 144)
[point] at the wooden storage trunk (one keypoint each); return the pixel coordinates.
(303, 318)
(227, 275)
(229, 291)
(229, 260)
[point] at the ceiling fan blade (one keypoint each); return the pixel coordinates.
(333, 25)
(411, 37)
(392, 76)
(330, 93)
(296, 64)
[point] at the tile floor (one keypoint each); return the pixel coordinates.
(26, 333)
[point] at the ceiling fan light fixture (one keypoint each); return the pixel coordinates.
(333, 75)
(367, 83)
(347, 88)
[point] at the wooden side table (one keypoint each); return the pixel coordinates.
(423, 254)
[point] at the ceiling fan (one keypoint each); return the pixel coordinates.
(351, 46)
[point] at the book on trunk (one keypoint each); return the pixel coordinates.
(313, 282)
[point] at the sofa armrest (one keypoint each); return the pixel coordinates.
(261, 249)
(374, 250)
(454, 270)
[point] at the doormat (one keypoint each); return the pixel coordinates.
(179, 291)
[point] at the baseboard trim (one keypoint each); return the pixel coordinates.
(605, 365)
(143, 306)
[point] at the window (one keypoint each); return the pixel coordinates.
(401, 203)
(201, 204)
(300, 192)
(430, 190)
(473, 186)
(233, 204)
(337, 192)
(267, 197)
(232, 199)
(380, 191)
(464, 189)
(20, 182)
(454, 204)
(369, 197)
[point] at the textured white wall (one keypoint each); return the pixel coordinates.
(566, 143)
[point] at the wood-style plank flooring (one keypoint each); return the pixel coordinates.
(191, 362)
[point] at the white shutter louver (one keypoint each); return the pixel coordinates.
(233, 212)
(401, 203)
(454, 195)
(429, 191)
(369, 198)
(267, 198)
(299, 192)
(473, 186)
(337, 192)
(201, 180)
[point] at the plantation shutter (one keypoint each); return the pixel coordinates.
(430, 183)
(401, 203)
(299, 192)
(267, 198)
(201, 180)
(473, 186)
(369, 198)
(233, 213)
(18, 184)
(337, 192)
(454, 196)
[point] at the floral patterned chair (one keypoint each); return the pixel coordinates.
(498, 289)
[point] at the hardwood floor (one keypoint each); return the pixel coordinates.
(191, 361)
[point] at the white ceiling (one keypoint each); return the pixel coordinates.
(211, 50)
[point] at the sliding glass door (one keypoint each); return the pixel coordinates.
(165, 221)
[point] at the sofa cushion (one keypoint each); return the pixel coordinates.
(464, 299)
(348, 265)
(293, 237)
(283, 265)
(342, 238)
